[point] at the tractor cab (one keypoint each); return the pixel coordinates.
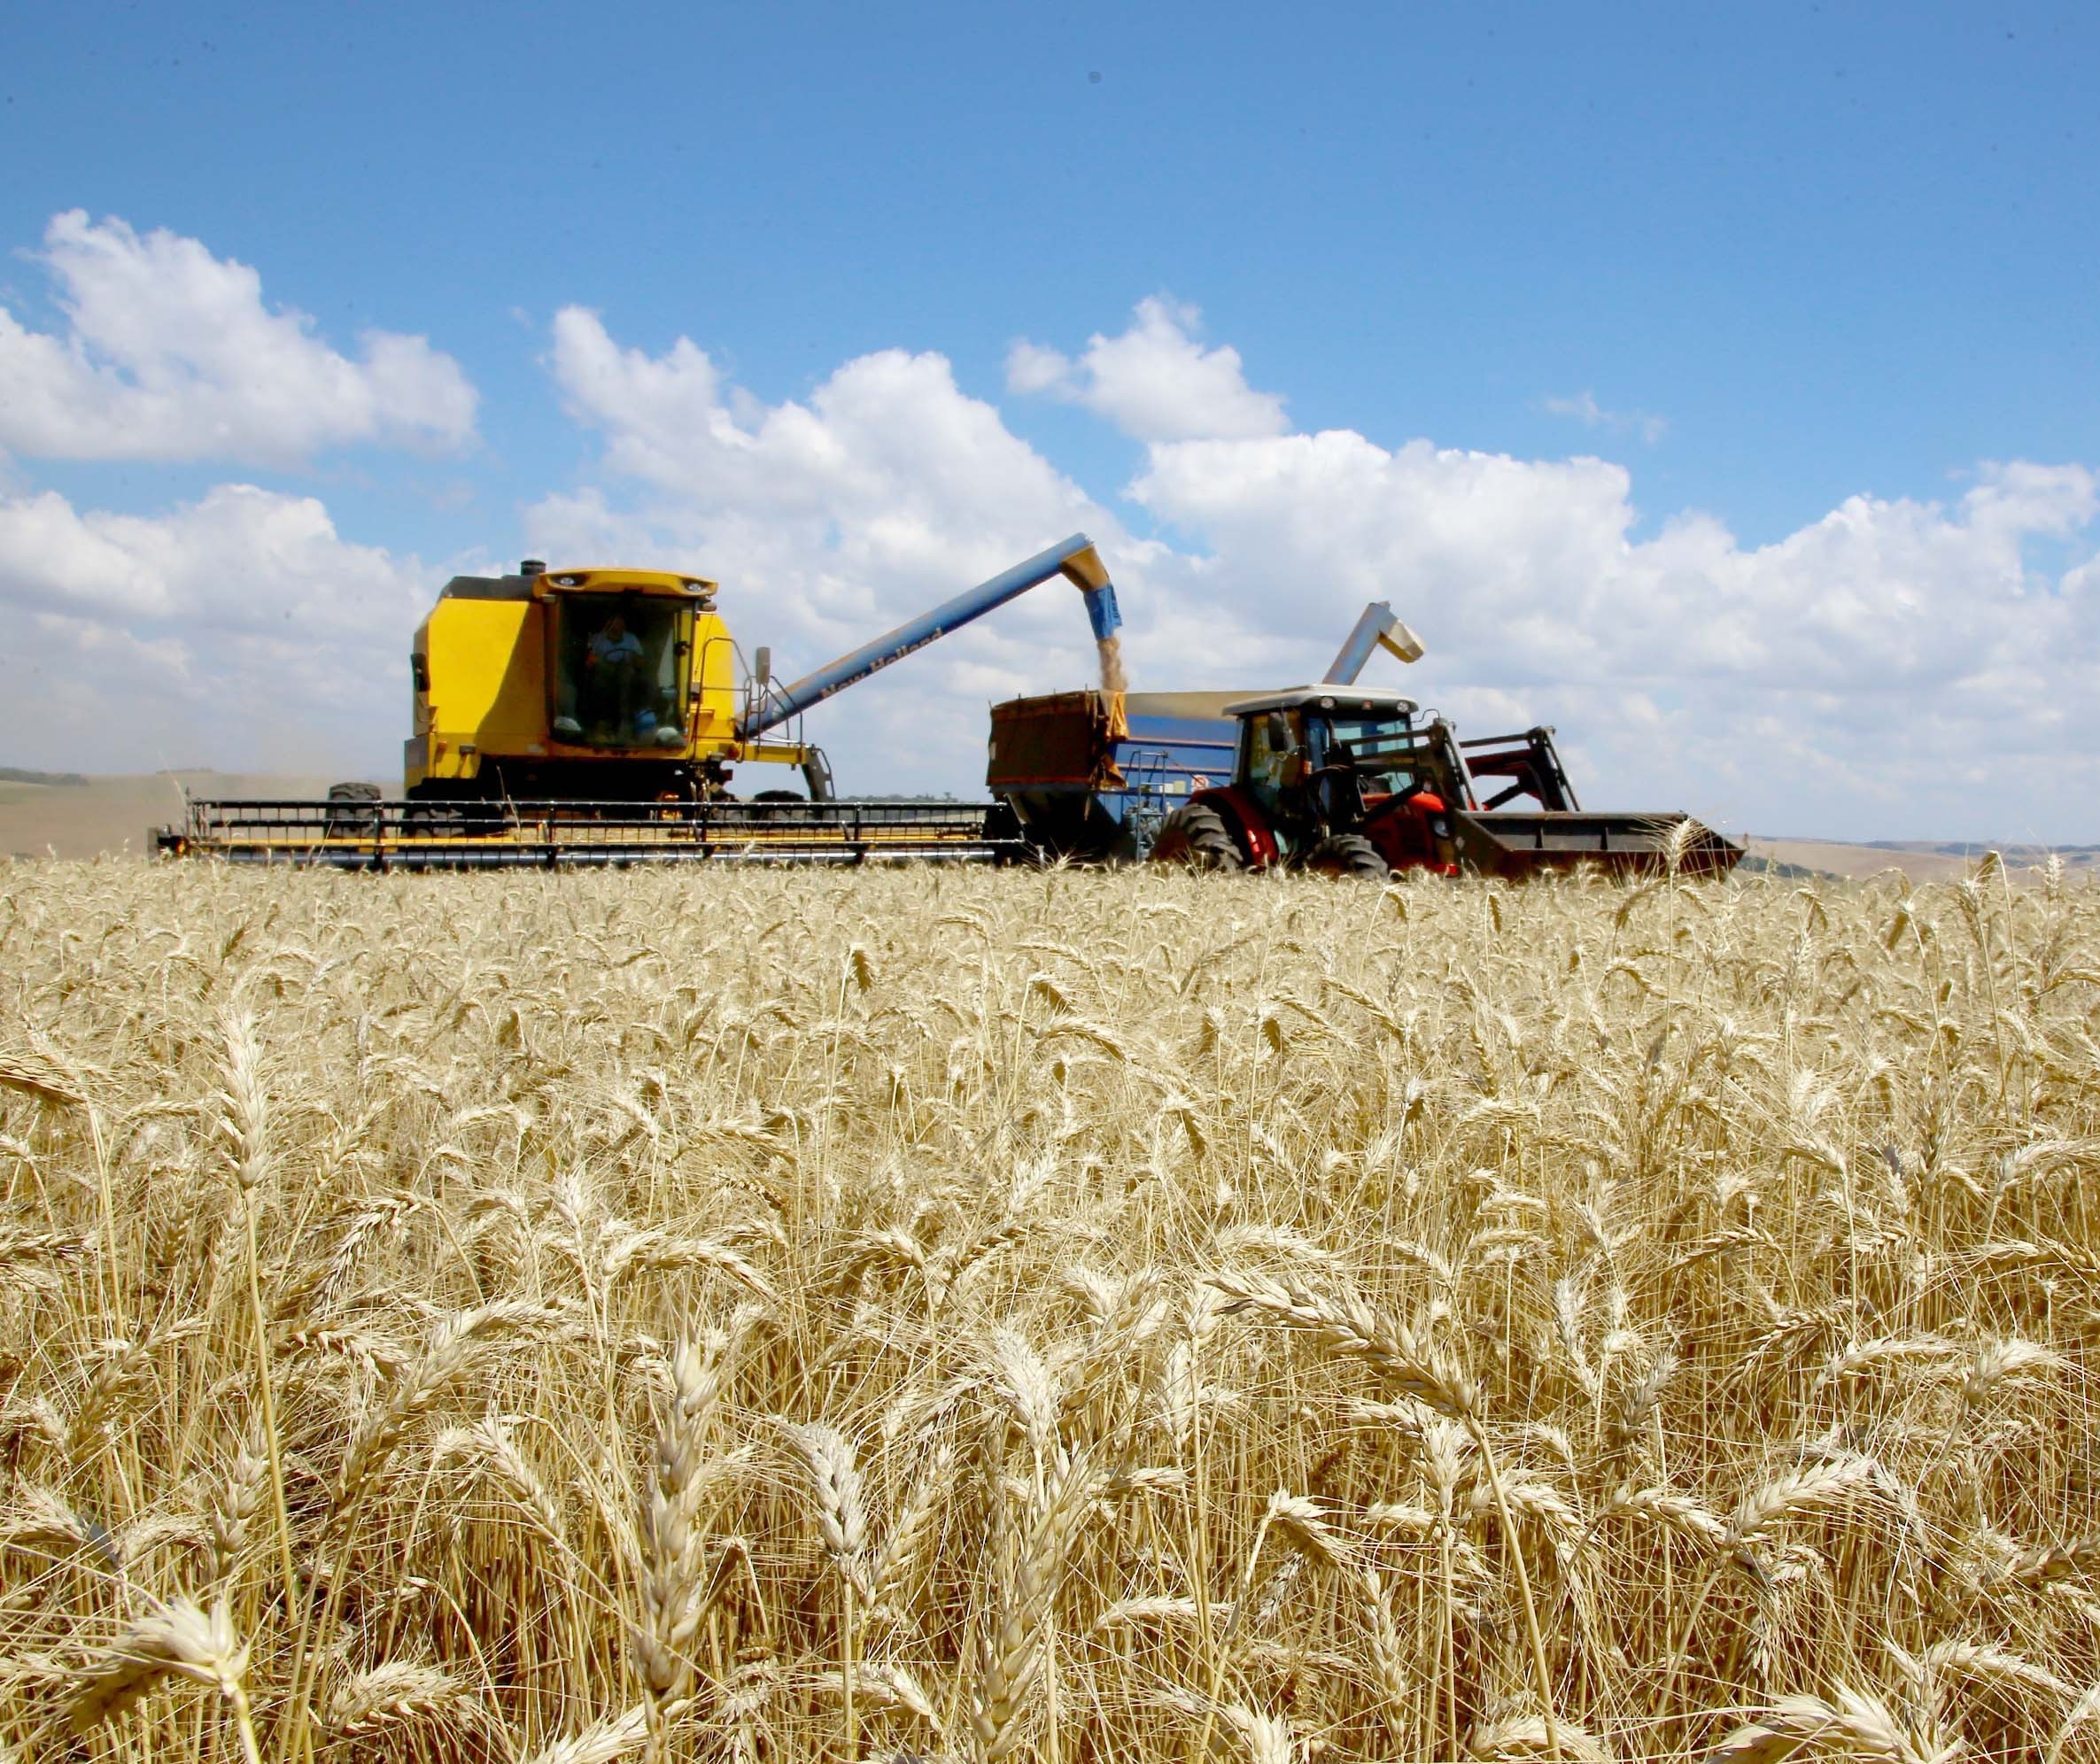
(1343, 779)
(1318, 759)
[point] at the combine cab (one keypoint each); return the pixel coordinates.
(580, 686)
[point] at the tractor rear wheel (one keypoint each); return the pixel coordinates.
(1196, 835)
(1347, 855)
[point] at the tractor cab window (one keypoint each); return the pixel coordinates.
(1275, 754)
(1384, 751)
(621, 668)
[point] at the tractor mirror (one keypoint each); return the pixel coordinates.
(762, 664)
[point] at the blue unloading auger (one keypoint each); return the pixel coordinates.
(1075, 559)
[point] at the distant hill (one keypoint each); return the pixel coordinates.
(1921, 860)
(19, 775)
(1756, 863)
(2012, 850)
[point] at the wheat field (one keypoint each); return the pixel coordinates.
(1046, 1316)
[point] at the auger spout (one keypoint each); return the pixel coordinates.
(1075, 559)
(1378, 628)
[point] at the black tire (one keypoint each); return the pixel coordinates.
(358, 817)
(435, 821)
(1195, 835)
(1347, 855)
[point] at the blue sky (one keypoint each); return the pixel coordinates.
(1757, 265)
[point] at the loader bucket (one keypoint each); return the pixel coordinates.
(1514, 843)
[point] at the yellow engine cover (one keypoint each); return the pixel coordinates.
(487, 664)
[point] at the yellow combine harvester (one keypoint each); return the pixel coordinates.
(593, 716)
(581, 685)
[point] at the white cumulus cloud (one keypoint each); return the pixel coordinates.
(888, 485)
(168, 352)
(828, 520)
(239, 630)
(1155, 381)
(1910, 661)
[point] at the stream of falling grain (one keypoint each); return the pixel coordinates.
(1113, 679)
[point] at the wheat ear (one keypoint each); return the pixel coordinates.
(1351, 1327)
(827, 1456)
(599, 1742)
(1010, 1655)
(393, 1692)
(671, 1591)
(1861, 1722)
(173, 1640)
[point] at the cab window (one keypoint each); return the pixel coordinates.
(1274, 742)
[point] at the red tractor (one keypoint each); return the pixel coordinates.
(1350, 781)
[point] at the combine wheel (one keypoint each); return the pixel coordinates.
(436, 821)
(1347, 855)
(352, 811)
(1196, 835)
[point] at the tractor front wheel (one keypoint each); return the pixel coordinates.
(1195, 835)
(1347, 855)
